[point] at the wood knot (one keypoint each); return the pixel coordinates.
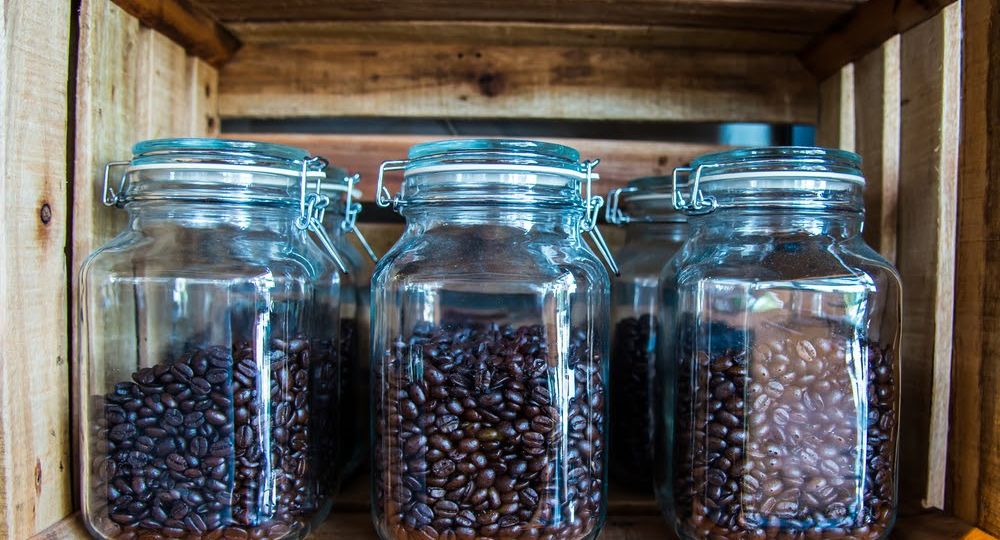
(45, 213)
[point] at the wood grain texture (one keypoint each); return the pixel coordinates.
(835, 127)
(876, 119)
(132, 83)
(802, 16)
(974, 379)
(930, 80)
(356, 524)
(868, 26)
(483, 34)
(621, 161)
(288, 79)
(35, 447)
(187, 25)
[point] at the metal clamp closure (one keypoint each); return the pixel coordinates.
(697, 203)
(382, 195)
(312, 206)
(613, 213)
(351, 210)
(593, 211)
(108, 195)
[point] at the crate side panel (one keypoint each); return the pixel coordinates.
(35, 447)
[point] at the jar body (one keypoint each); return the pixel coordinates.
(785, 396)
(489, 347)
(354, 305)
(208, 385)
(635, 304)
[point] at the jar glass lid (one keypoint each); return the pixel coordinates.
(218, 170)
(648, 199)
(494, 154)
(771, 177)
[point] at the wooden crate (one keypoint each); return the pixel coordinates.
(910, 84)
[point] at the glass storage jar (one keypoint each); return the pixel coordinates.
(654, 232)
(489, 347)
(208, 376)
(355, 304)
(785, 341)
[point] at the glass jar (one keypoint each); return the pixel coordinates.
(654, 232)
(207, 394)
(489, 347)
(355, 304)
(785, 343)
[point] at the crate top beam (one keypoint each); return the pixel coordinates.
(655, 60)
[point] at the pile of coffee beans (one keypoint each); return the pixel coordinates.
(484, 432)
(631, 410)
(183, 454)
(791, 434)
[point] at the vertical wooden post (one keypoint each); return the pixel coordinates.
(35, 462)
(876, 114)
(974, 472)
(836, 110)
(928, 174)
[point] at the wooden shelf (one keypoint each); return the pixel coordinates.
(631, 516)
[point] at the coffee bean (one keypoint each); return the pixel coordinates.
(479, 416)
(780, 462)
(178, 451)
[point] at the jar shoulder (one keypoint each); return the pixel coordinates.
(786, 259)
(136, 255)
(430, 257)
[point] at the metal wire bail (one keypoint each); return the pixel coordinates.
(351, 211)
(593, 211)
(312, 207)
(697, 203)
(613, 213)
(382, 196)
(108, 195)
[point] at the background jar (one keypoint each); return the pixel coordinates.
(654, 232)
(205, 397)
(340, 221)
(489, 347)
(786, 335)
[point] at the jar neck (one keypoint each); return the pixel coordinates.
(534, 220)
(743, 222)
(150, 215)
(636, 232)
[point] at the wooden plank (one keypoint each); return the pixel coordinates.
(186, 24)
(35, 447)
(930, 80)
(132, 83)
(864, 30)
(203, 100)
(803, 16)
(936, 526)
(835, 127)
(876, 118)
(322, 79)
(621, 161)
(162, 83)
(484, 34)
(357, 525)
(974, 430)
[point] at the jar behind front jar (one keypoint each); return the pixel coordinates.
(489, 347)
(786, 334)
(654, 231)
(205, 394)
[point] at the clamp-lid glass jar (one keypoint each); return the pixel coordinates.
(654, 232)
(786, 330)
(205, 396)
(489, 347)
(355, 305)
